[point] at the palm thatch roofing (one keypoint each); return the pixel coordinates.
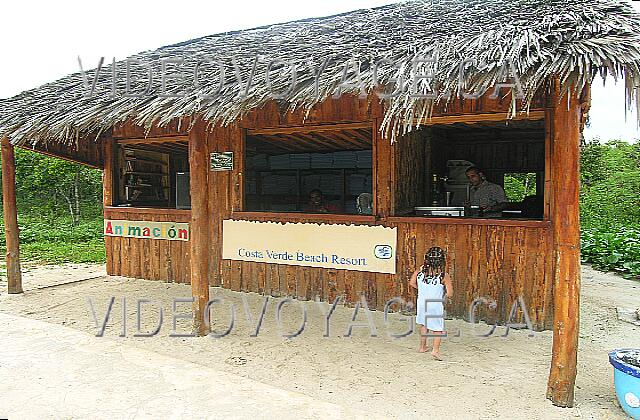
(571, 39)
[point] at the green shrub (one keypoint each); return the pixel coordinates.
(53, 240)
(45, 252)
(613, 250)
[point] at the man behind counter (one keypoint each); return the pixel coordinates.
(488, 196)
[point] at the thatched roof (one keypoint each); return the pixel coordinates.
(572, 39)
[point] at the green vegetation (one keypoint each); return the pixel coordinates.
(517, 186)
(59, 210)
(613, 250)
(57, 240)
(610, 206)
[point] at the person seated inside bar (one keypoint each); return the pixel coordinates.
(318, 204)
(489, 197)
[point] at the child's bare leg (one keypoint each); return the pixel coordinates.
(424, 345)
(436, 345)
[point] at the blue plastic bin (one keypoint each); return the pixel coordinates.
(627, 382)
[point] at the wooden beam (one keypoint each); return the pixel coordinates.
(285, 144)
(565, 220)
(309, 128)
(302, 217)
(477, 118)
(237, 143)
(383, 174)
(199, 241)
(354, 141)
(175, 148)
(108, 171)
(150, 140)
(11, 230)
(366, 137)
(63, 157)
(163, 149)
(325, 142)
(310, 144)
(548, 141)
(118, 211)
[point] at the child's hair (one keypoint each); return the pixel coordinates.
(434, 262)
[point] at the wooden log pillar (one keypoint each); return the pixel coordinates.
(11, 231)
(199, 240)
(383, 166)
(109, 148)
(565, 218)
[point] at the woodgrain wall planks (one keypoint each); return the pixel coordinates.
(148, 258)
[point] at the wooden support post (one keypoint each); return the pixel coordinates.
(565, 217)
(384, 171)
(107, 198)
(14, 275)
(108, 171)
(200, 243)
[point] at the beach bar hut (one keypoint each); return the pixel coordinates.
(376, 114)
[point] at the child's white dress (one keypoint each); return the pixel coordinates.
(432, 289)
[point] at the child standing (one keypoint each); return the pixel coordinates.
(433, 284)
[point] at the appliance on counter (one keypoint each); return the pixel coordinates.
(183, 193)
(456, 181)
(440, 211)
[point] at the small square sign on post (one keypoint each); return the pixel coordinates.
(221, 161)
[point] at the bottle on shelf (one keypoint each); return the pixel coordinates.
(436, 194)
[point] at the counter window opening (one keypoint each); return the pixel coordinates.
(493, 170)
(324, 171)
(152, 174)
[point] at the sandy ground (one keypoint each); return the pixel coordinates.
(51, 371)
(42, 276)
(480, 377)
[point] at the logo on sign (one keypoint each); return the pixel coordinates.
(383, 252)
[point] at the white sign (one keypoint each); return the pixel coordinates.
(345, 247)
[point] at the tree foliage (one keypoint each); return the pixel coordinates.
(517, 186)
(50, 186)
(610, 206)
(59, 210)
(610, 191)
